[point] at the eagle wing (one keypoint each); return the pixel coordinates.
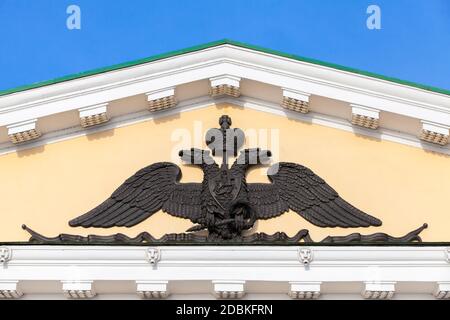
(297, 188)
(149, 190)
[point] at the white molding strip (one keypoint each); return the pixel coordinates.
(23, 131)
(365, 117)
(435, 133)
(78, 289)
(225, 80)
(238, 62)
(246, 102)
(10, 290)
(152, 289)
(295, 94)
(342, 124)
(114, 123)
(229, 289)
(305, 290)
(381, 290)
(442, 290)
(232, 271)
(93, 115)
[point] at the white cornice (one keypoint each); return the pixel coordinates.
(231, 268)
(204, 102)
(238, 62)
(217, 67)
(232, 256)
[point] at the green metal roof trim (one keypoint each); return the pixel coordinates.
(215, 44)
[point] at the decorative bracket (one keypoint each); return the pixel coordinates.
(161, 99)
(442, 290)
(153, 256)
(5, 255)
(295, 100)
(23, 131)
(78, 289)
(383, 290)
(229, 289)
(304, 290)
(305, 255)
(435, 133)
(10, 290)
(225, 85)
(365, 117)
(93, 115)
(152, 289)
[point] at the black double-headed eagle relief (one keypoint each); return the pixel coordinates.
(224, 206)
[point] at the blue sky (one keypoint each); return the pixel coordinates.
(413, 43)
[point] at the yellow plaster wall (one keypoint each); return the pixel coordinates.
(47, 186)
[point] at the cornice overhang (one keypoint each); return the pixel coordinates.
(245, 102)
(233, 61)
(230, 271)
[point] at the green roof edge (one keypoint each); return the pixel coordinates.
(215, 44)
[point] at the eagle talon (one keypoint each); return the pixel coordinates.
(196, 228)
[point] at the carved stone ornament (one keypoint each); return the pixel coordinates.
(304, 290)
(224, 204)
(152, 289)
(383, 290)
(306, 256)
(229, 289)
(5, 255)
(78, 289)
(153, 256)
(9, 289)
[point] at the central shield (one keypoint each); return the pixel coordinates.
(224, 188)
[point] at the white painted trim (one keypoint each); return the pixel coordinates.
(235, 269)
(10, 289)
(305, 289)
(152, 289)
(225, 256)
(78, 289)
(114, 123)
(246, 102)
(229, 289)
(365, 111)
(93, 110)
(159, 94)
(226, 79)
(226, 59)
(379, 290)
(23, 126)
(341, 124)
(295, 94)
(442, 290)
(5, 255)
(436, 127)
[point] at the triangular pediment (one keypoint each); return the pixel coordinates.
(67, 145)
(252, 77)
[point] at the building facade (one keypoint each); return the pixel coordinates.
(379, 143)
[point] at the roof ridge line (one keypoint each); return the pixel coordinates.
(213, 44)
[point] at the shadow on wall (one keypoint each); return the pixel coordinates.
(369, 138)
(162, 118)
(434, 153)
(30, 152)
(93, 136)
(221, 106)
(166, 118)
